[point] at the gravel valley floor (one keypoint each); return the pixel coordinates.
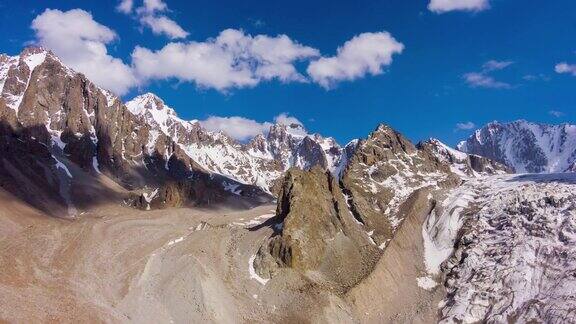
(514, 260)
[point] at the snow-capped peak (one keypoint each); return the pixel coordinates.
(526, 146)
(296, 130)
(453, 152)
(34, 56)
(160, 116)
(31, 57)
(148, 101)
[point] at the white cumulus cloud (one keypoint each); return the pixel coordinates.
(231, 60)
(125, 6)
(80, 42)
(236, 127)
(565, 68)
(364, 54)
(243, 129)
(442, 6)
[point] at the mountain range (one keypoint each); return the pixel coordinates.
(526, 147)
(378, 220)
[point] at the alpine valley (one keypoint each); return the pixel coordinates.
(123, 212)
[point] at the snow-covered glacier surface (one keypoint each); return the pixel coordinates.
(515, 249)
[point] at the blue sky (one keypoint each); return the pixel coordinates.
(442, 78)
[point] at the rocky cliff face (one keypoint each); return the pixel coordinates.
(384, 170)
(462, 164)
(317, 232)
(526, 147)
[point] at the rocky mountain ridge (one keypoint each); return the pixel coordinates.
(526, 147)
(260, 162)
(143, 143)
(84, 132)
(463, 164)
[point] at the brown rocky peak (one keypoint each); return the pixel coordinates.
(387, 137)
(318, 232)
(31, 50)
(384, 143)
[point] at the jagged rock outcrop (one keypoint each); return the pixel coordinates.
(466, 165)
(317, 232)
(381, 174)
(525, 147)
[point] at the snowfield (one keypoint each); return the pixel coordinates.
(515, 257)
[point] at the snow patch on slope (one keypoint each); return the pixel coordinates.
(252, 271)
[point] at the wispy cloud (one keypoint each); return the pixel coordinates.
(483, 79)
(494, 65)
(164, 25)
(536, 77)
(556, 113)
(125, 6)
(257, 22)
(152, 14)
(465, 126)
(442, 6)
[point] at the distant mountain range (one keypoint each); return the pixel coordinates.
(526, 147)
